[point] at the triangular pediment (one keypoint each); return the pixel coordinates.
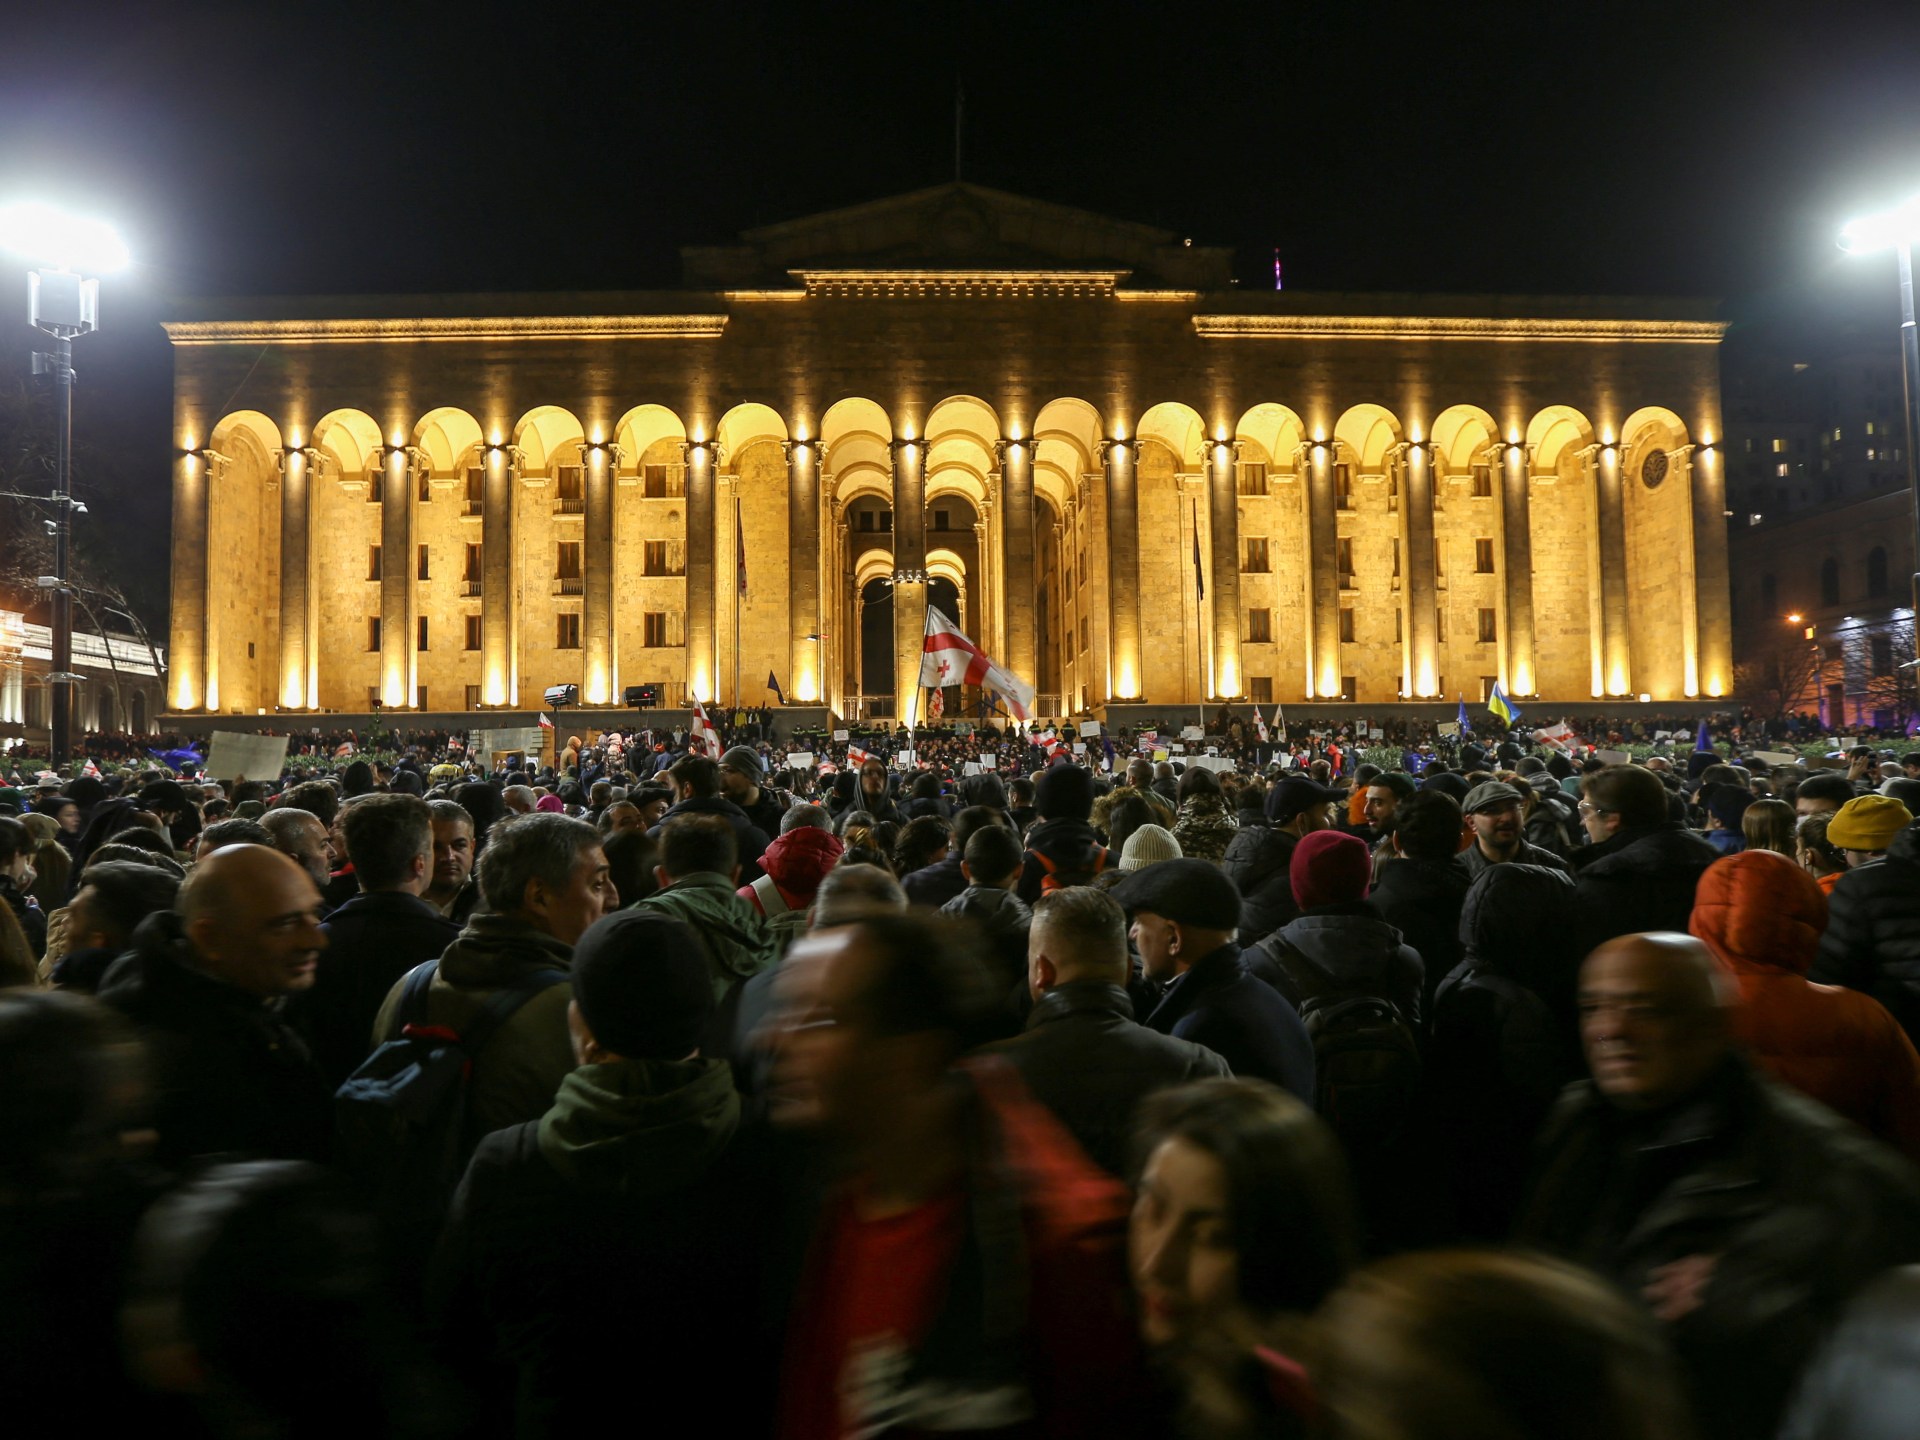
(954, 227)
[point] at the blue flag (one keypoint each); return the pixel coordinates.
(773, 684)
(1466, 726)
(1501, 706)
(1704, 739)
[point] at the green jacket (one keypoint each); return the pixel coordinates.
(738, 940)
(641, 1127)
(517, 1072)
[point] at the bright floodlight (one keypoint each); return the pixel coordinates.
(47, 235)
(1898, 226)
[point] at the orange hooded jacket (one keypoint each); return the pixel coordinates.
(1762, 916)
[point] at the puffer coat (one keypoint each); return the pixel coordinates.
(1762, 916)
(1873, 931)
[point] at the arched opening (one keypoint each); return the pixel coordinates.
(650, 553)
(1566, 576)
(347, 561)
(243, 608)
(1173, 631)
(137, 712)
(876, 646)
(1657, 496)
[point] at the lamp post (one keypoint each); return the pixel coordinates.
(64, 304)
(1898, 229)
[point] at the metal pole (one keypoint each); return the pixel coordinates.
(1910, 375)
(62, 664)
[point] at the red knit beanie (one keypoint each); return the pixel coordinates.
(1330, 867)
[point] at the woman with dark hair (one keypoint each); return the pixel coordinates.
(923, 840)
(1243, 1223)
(483, 803)
(1123, 819)
(1203, 824)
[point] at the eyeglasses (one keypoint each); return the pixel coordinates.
(1587, 807)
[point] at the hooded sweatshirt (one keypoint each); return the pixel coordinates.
(1762, 916)
(1345, 949)
(1069, 847)
(797, 862)
(640, 1127)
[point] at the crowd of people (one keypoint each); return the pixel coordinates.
(1501, 1092)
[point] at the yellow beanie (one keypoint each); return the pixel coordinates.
(1868, 823)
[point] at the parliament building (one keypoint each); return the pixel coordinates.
(1131, 481)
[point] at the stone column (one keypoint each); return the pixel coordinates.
(397, 648)
(1417, 572)
(499, 683)
(1323, 576)
(702, 458)
(187, 652)
(1712, 596)
(1518, 668)
(296, 607)
(909, 571)
(803, 570)
(1017, 558)
(597, 637)
(1223, 505)
(1123, 565)
(1610, 552)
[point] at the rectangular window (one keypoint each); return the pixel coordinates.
(420, 697)
(567, 560)
(1780, 443)
(569, 482)
(1343, 487)
(1253, 557)
(657, 558)
(1396, 557)
(476, 489)
(1344, 552)
(373, 632)
(1260, 689)
(423, 487)
(1348, 688)
(1440, 627)
(373, 562)
(1882, 655)
(653, 629)
(653, 481)
(943, 519)
(376, 483)
(475, 560)
(420, 640)
(1252, 479)
(1083, 632)
(566, 631)
(473, 697)
(1259, 627)
(474, 631)
(1482, 482)
(1489, 626)
(1483, 557)
(422, 568)
(1346, 625)
(1399, 626)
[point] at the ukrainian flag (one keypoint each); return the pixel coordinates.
(1502, 707)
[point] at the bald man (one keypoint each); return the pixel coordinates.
(203, 984)
(1742, 1214)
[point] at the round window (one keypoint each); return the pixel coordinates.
(1653, 469)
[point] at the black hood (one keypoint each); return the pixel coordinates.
(1517, 922)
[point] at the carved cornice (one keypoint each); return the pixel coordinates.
(1431, 327)
(517, 327)
(961, 284)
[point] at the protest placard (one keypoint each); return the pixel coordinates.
(234, 754)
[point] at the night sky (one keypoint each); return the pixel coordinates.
(1682, 148)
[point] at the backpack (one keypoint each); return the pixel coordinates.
(400, 1120)
(1053, 878)
(1366, 1061)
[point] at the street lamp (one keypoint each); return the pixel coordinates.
(1898, 229)
(63, 303)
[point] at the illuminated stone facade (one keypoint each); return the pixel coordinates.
(456, 501)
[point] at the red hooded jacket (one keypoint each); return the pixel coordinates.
(797, 862)
(1762, 916)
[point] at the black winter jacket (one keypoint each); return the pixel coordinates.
(1636, 881)
(1341, 950)
(750, 838)
(1072, 846)
(229, 1073)
(934, 885)
(1798, 1208)
(1220, 1004)
(1422, 899)
(1256, 861)
(1083, 1057)
(372, 940)
(1873, 932)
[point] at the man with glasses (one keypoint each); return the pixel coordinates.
(1641, 867)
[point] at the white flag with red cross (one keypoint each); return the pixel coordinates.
(705, 740)
(856, 757)
(950, 658)
(1259, 725)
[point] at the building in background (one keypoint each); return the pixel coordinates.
(122, 687)
(1130, 481)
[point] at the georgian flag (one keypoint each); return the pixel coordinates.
(1259, 725)
(856, 757)
(705, 740)
(950, 658)
(1052, 744)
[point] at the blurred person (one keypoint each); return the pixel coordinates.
(451, 888)
(800, 857)
(1865, 1383)
(1502, 1046)
(543, 881)
(222, 833)
(654, 798)
(1445, 1344)
(16, 883)
(954, 1187)
(852, 890)
(1081, 1052)
(203, 985)
(115, 897)
(1257, 859)
(1742, 1215)
(52, 876)
(1769, 825)
(1183, 915)
(992, 867)
(696, 791)
(1242, 1225)
(519, 799)
(632, 857)
(1136, 785)
(1762, 919)
(379, 935)
(1125, 818)
(1640, 868)
(301, 837)
(604, 1246)
(935, 884)
(619, 815)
